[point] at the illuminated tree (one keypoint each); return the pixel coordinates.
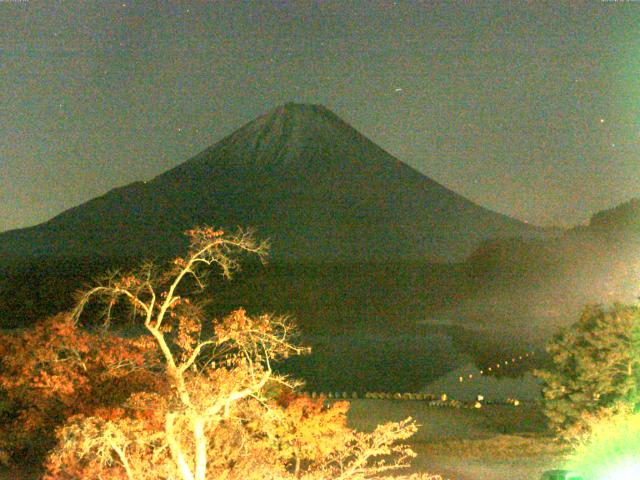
(56, 370)
(218, 410)
(596, 365)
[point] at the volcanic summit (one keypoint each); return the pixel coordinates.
(299, 175)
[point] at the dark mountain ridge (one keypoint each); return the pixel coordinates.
(542, 284)
(608, 233)
(298, 175)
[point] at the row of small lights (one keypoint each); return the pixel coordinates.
(486, 371)
(432, 399)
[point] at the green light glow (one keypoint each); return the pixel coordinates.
(612, 452)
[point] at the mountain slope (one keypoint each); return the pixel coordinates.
(298, 175)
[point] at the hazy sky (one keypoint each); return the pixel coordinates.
(531, 110)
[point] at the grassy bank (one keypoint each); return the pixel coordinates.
(495, 442)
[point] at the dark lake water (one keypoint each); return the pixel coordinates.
(361, 362)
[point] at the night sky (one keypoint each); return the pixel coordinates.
(530, 110)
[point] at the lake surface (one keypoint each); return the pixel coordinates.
(361, 362)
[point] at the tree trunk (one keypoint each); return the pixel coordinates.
(201, 449)
(297, 468)
(176, 449)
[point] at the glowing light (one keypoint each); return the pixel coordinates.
(627, 471)
(612, 451)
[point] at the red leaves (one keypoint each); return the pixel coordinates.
(206, 232)
(57, 369)
(180, 262)
(129, 281)
(188, 333)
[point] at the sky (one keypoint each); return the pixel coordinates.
(530, 109)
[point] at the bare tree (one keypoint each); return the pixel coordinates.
(216, 416)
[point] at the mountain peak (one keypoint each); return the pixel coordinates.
(302, 109)
(298, 174)
(285, 136)
(301, 116)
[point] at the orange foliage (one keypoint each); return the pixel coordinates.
(188, 400)
(309, 429)
(57, 370)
